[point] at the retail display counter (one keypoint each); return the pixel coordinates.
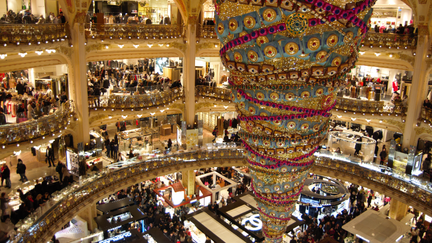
(352, 143)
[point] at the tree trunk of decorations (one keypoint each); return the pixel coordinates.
(287, 59)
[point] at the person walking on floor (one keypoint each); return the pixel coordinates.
(6, 176)
(2, 178)
(59, 169)
(50, 156)
(21, 170)
(383, 156)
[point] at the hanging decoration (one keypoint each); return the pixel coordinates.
(287, 59)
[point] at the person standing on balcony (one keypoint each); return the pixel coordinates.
(41, 20)
(62, 18)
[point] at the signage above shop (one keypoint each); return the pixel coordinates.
(117, 237)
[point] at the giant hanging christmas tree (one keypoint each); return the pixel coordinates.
(286, 59)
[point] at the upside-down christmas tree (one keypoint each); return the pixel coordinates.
(287, 59)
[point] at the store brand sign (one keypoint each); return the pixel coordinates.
(255, 221)
(117, 237)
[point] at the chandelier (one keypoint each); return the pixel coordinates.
(287, 60)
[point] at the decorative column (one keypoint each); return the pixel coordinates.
(188, 181)
(78, 84)
(398, 210)
(189, 73)
(88, 214)
(418, 90)
(287, 59)
(31, 77)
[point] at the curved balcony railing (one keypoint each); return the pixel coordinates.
(27, 34)
(133, 31)
(366, 106)
(344, 104)
(126, 101)
(206, 31)
(211, 92)
(64, 202)
(390, 40)
(33, 129)
(426, 115)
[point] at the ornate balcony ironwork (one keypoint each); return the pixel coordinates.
(65, 202)
(33, 129)
(27, 34)
(206, 31)
(390, 40)
(136, 101)
(133, 31)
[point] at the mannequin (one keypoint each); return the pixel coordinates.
(395, 86)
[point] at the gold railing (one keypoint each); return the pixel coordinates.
(344, 104)
(365, 106)
(426, 115)
(90, 187)
(136, 101)
(390, 40)
(33, 129)
(26, 34)
(133, 31)
(216, 93)
(206, 31)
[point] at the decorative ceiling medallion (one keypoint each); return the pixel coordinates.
(296, 24)
(322, 56)
(291, 48)
(269, 15)
(220, 28)
(270, 51)
(252, 55)
(249, 22)
(238, 57)
(232, 24)
(332, 40)
(313, 44)
(262, 40)
(348, 36)
(336, 61)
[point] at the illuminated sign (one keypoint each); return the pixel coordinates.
(117, 237)
(255, 221)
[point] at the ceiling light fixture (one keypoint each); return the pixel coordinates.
(50, 51)
(377, 54)
(136, 46)
(149, 45)
(2, 56)
(121, 46)
(39, 52)
(22, 54)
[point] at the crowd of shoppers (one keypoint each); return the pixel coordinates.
(20, 102)
(26, 17)
(171, 225)
(36, 198)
